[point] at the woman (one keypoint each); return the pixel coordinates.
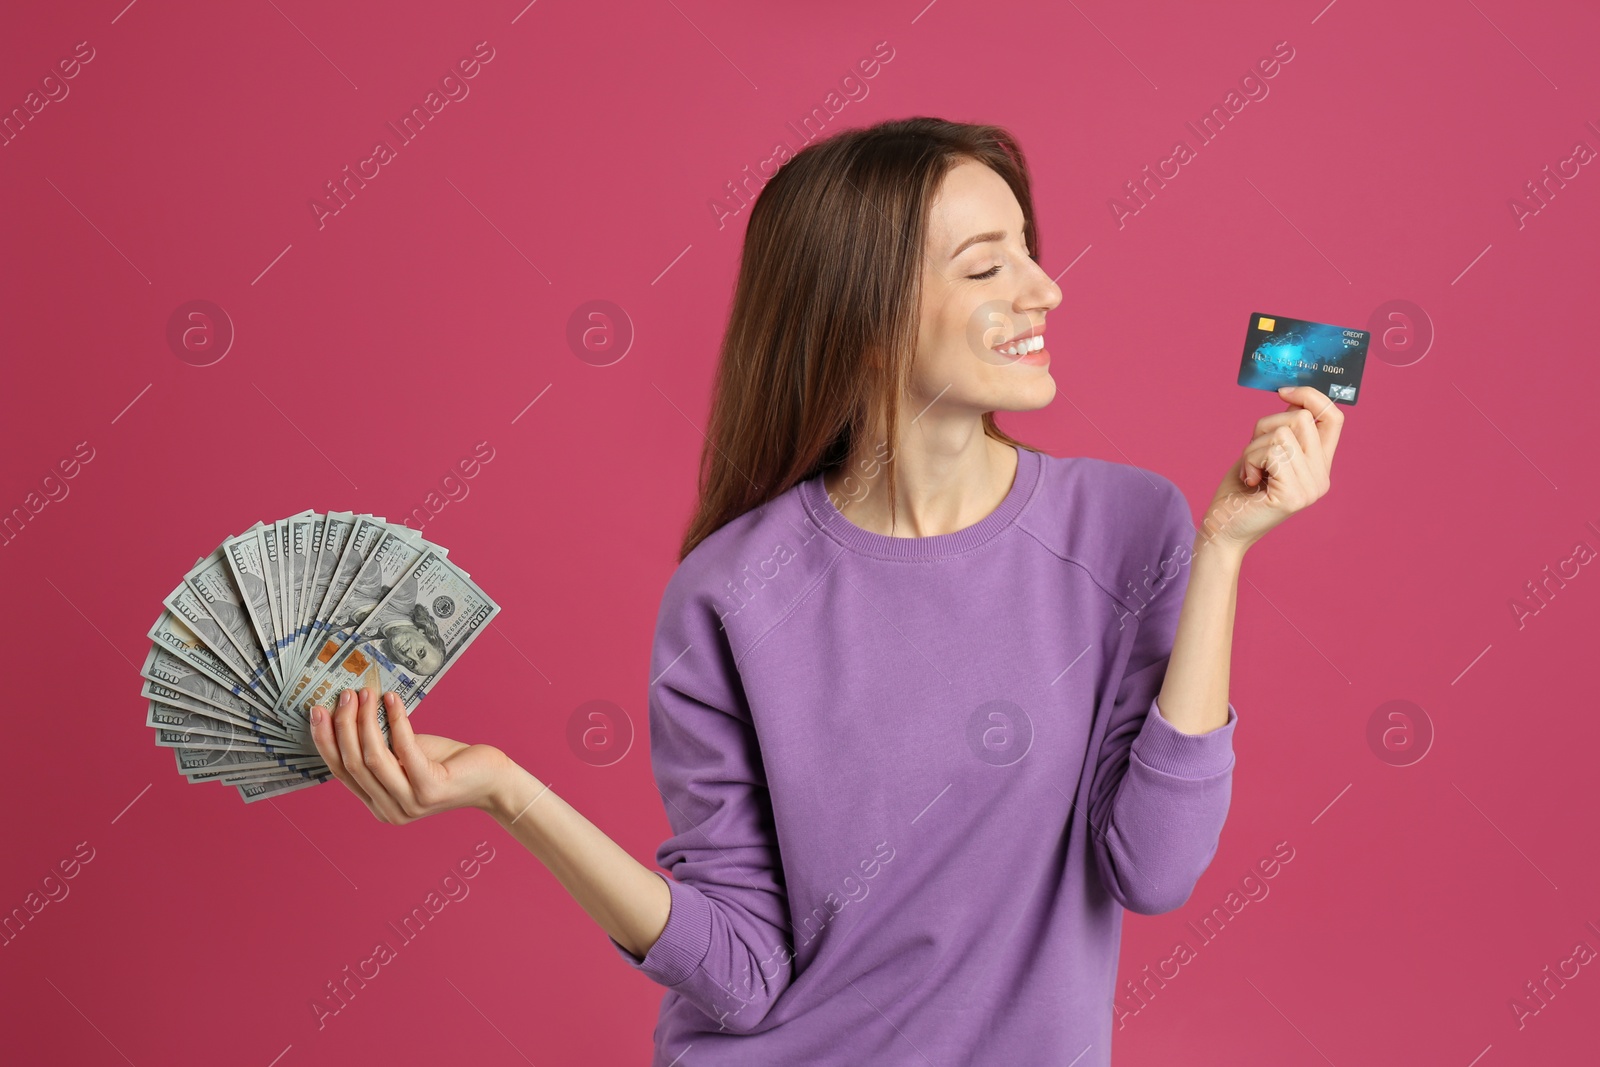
(929, 707)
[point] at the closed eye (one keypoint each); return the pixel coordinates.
(991, 272)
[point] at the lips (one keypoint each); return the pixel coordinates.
(1027, 339)
(1024, 345)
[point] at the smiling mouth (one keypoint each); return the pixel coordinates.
(1023, 347)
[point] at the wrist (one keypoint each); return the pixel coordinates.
(1215, 550)
(510, 793)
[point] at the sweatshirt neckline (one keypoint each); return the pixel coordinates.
(814, 495)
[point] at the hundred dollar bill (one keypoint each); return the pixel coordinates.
(272, 563)
(187, 607)
(314, 531)
(163, 716)
(388, 564)
(332, 537)
(296, 565)
(261, 774)
(369, 591)
(186, 717)
(172, 681)
(204, 765)
(329, 536)
(367, 533)
(186, 604)
(253, 792)
(201, 765)
(282, 774)
(197, 760)
(244, 557)
(169, 634)
(179, 739)
(404, 643)
(346, 546)
(213, 583)
(173, 710)
(302, 771)
(383, 572)
(206, 736)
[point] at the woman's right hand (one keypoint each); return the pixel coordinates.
(423, 775)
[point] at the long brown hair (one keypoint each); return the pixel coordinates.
(823, 329)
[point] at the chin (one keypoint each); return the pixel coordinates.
(1029, 395)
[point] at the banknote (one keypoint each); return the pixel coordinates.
(329, 535)
(276, 787)
(188, 609)
(403, 643)
(383, 569)
(245, 562)
(367, 532)
(171, 636)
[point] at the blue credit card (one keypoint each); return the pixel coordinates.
(1281, 351)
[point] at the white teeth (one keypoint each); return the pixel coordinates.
(1022, 348)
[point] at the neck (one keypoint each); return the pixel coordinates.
(940, 487)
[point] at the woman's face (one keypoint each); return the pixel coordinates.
(976, 299)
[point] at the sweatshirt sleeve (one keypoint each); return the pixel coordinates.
(726, 946)
(1159, 796)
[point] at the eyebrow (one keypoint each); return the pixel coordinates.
(980, 238)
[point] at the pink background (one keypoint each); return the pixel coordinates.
(375, 352)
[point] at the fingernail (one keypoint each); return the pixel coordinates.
(345, 698)
(316, 716)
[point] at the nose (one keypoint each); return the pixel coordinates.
(1049, 296)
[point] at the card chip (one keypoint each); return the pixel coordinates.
(1265, 323)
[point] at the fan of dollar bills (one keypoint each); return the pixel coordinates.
(284, 616)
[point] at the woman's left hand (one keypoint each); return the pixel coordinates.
(1284, 468)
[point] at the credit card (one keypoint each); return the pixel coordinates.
(1281, 351)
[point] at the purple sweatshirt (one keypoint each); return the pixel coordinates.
(913, 781)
